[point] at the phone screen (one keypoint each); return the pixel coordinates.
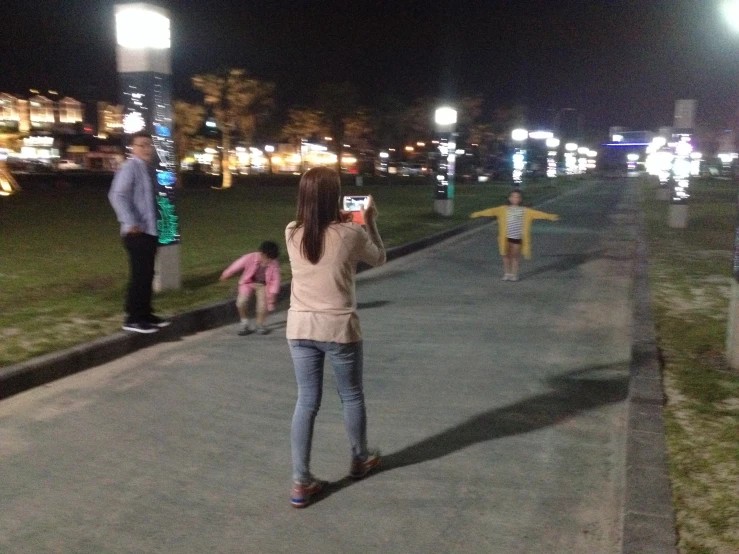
(355, 203)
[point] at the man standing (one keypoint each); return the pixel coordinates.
(133, 197)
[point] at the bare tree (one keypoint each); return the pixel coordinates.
(237, 103)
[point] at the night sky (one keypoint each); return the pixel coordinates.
(620, 62)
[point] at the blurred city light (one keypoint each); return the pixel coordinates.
(384, 155)
(633, 157)
(618, 138)
(730, 9)
(553, 142)
(583, 150)
(541, 135)
(571, 146)
(269, 148)
(445, 116)
(519, 134)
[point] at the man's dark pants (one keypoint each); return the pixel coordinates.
(142, 250)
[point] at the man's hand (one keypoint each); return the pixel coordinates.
(135, 230)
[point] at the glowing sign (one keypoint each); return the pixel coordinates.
(168, 222)
(166, 178)
(139, 28)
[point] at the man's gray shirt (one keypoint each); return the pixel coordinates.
(133, 198)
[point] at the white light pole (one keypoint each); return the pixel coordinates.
(730, 9)
(518, 160)
(145, 74)
(446, 121)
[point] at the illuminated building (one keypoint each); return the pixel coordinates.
(41, 112)
(110, 119)
(70, 111)
(10, 114)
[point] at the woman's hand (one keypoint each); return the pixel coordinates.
(346, 217)
(370, 213)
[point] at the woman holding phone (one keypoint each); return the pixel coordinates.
(324, 247)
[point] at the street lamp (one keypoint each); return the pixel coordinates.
(519, 135)
(446, 120)
(145, 75)
(730, 9)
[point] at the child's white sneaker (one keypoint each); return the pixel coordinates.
(513, 278)
(506, 277)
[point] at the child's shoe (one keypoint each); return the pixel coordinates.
(506, 277)
(360, 469)
(303, 491)
(513, 278)
(244, 330)
(262, 330)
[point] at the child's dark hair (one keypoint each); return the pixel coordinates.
(517, 191)
(270, 249)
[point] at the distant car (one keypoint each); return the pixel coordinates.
(65, 165)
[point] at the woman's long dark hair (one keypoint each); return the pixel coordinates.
(318, 207)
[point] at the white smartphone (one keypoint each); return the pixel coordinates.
(355, 203)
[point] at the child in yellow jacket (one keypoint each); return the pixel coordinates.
(514, 231)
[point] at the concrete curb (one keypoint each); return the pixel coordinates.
(648, 516)
(41, 370)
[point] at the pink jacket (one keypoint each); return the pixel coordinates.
(248, 265)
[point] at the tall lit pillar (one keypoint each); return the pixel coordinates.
(446, 120)
(145, 76)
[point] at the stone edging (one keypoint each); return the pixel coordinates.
(648, 514)
(38, 371)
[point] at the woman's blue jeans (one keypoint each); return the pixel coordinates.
(346, 359)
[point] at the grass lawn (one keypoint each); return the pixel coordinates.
(63, 270)
(690, 279)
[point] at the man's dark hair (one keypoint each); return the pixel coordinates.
(140, 134)
(270, 249)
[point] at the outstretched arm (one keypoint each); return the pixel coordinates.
(490, 212)
(234, 268)
(535, 214)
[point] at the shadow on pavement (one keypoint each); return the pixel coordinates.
(566, 263)
(573, 393)
(373, 304)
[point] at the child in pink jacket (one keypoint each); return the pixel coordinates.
(260, 273)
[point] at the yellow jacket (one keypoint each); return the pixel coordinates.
(529, 215)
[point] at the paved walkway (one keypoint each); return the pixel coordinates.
(499, 408)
